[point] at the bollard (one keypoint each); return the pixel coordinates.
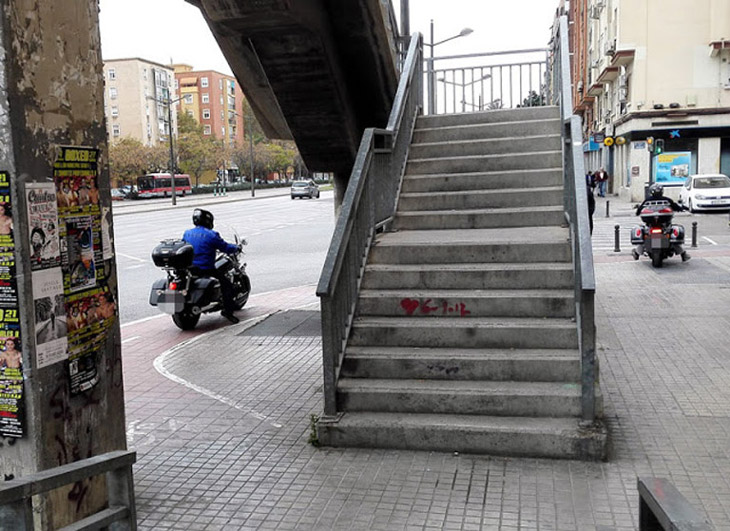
(617, 247)
(608, 203)
(694, 234)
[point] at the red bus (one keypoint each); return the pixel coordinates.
(159, 185)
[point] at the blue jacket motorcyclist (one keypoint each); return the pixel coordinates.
(206, 242)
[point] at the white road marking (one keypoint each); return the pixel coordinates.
(135, 266)
(130, 339)
(709, 240)
(145, 319)
(159, 366)
(132, 257)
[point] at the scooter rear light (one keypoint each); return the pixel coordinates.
(637, 232)
(675, 231)
(655, 230)
(173, 286)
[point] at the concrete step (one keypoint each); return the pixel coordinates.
(462, 397)
(471, 199)
(557, 438)
(432, 303)
(489, 146)
(482, 131)
(465, 332)
(480, 218)
(484, 163)
(488, 117)
(483, 180)
(469, 276)
(513, 244)
(531, 365)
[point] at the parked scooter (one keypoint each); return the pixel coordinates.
(658, 238)
(185, 295)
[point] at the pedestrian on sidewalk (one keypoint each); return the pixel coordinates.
(601, 177)
(590, 185)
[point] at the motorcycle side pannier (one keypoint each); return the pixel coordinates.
(176, 254)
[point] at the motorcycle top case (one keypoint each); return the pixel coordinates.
(177, 254)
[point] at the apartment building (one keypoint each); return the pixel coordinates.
(650, 68)
(135, 94)
(215, 100)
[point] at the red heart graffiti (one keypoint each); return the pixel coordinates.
(409, 305)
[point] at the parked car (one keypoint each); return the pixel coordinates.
(710, 191)
(304, 189)
(118, 195)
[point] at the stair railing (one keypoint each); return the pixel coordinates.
(368, 206)
(576, 212)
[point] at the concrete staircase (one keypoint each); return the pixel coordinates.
(465, 338)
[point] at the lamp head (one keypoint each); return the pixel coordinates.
(465, 32)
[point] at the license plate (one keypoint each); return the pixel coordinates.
(717, 202)
(171, 301)
(658, 242)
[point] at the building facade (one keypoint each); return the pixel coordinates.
(136, 92)
(215, 100)
(648, 68)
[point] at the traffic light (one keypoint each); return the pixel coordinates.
(658, 146)
(650, 144)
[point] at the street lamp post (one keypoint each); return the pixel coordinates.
(168, 101)
(430, 65)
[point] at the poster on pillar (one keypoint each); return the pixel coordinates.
(51, 326)
(90, 307)
(11, 359)
(672, 167)
(44, 245)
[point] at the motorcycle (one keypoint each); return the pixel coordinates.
(186, 295)
(658, 238)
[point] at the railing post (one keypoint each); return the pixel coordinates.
(330, 327)
(120, 488)
(588, 355)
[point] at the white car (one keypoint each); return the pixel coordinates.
(710, 191)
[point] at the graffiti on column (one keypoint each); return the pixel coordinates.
(11, 361)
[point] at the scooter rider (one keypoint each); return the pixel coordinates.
(206, 242)
(656, 193)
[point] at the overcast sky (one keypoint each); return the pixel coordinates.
(173, 30)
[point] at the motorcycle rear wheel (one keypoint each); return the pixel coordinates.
(656, 258)
(185, 320)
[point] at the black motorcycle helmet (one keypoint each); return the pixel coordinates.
(202, 218)
(656, 190)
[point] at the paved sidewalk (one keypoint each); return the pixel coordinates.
(221, 423)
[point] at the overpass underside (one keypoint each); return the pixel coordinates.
(315, 71)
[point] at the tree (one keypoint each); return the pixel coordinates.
(533, 99)
(128, 158)
(197, 152)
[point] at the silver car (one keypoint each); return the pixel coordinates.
(304, 189)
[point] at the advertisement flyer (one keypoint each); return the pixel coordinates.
(672, 167)
(85, 244)
(42, 226)
(50, 317)
(11, 360)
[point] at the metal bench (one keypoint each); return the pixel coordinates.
(16, 508)
(663, 508)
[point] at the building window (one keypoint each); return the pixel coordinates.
(223, 131)
(113, 93)
(188, 99)
(115, 110)
(206, 114)
(220, 84)
(116, 130)
(206, 130)
(112, 74)
(204, 82)
(222, 116)
(206, 98)
(221, 99)
(189, 112)
(177, 84)
(144, 74)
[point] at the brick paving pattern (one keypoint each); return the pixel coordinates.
(223, 445)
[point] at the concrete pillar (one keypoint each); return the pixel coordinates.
(53, 148)
(708, 156)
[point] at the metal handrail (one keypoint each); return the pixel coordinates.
(16, 508)
(369, 203)
(576, 210)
